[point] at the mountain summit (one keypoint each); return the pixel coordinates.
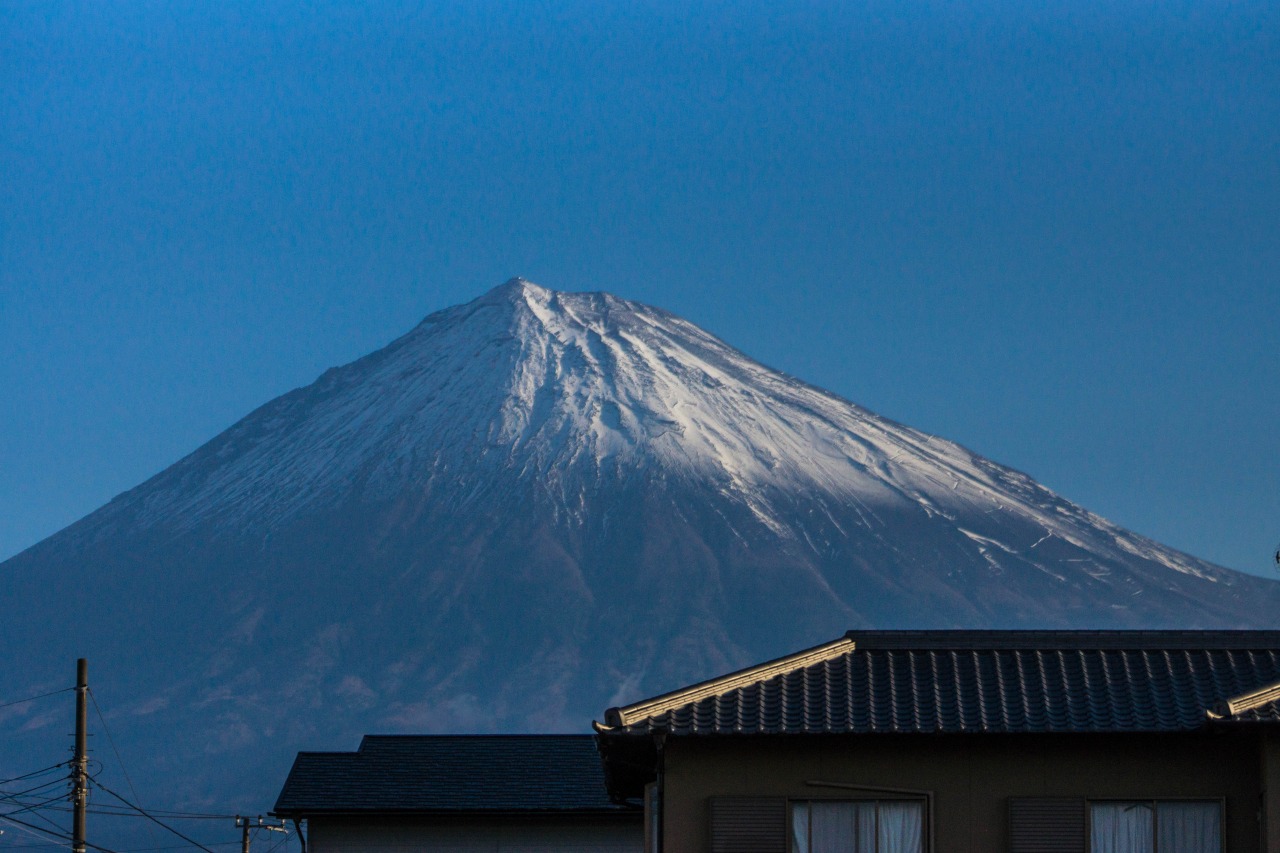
(528, 508)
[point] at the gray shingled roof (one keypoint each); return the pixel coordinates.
(450, 774)
(979, 681)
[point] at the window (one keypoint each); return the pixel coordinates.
(1155, 826)
(857, 826)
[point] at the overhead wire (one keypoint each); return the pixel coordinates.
(35, 809)
(40, 813)
(127, 850)
(284, 838)
(193, 815)
(33, 773)
(34, 698)
(31, 807)
(62, 837)
(167, 815)
(59, 835)
(113, 811)
(151, 817)
(22, 827)
(117, 811)
(8, 795)
(111, 740)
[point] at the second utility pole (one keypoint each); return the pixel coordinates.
(80, 762)
(245, 826)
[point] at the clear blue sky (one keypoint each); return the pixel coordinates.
(1050, 231)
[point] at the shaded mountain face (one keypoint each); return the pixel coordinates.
(528, 508)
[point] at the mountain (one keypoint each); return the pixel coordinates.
(528, 508)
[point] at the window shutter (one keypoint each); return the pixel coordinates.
(1046, 825)
(748, 825)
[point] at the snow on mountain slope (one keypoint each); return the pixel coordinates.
(528, 508)
(558, 389)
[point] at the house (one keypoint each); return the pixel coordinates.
(508, 793)
(966, 741)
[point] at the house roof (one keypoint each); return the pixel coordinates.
(982, 681)
(450, 774)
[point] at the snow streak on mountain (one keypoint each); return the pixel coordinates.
(529, 507)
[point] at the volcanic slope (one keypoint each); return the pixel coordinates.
(532, 506)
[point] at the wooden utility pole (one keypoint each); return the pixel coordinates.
(80, 762)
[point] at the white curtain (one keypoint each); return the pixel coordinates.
(855, 827)
(866, 827)
(1122, 828)
(901, 827)
(1189, 827)
(799, 828)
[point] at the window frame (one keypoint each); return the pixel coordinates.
(652, 818)
(924, 799)
(1153, 801)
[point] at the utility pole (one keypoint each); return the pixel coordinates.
(245, 824)
(80, 762)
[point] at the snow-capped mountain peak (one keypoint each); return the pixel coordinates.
(561, 390)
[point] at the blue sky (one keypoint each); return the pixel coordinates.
(1049, 231)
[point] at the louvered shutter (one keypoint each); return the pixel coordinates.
(748, 825)
(1046, 825)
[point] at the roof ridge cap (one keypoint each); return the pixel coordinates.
(1245, 702)
(629, 714)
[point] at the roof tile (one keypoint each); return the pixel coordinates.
(990, 681)
(450, 773)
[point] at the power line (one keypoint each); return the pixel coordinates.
(34, 698)
(117, 811)
(192, 815)
(33, 773)
(109, 811)
(276, 846)
(128, 850)
(31, 807)
(177, 847)
(33, 830)
(40, 814)
(167, 815)
(150, 817)
(35, 809)
(6, 795)
(57, 835)
(111, 740)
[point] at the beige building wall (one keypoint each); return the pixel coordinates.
(973, 777)
(1270, 770)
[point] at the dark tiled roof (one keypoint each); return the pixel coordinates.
(450, 774)
(982, 681)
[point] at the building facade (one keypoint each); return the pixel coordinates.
(959, 742)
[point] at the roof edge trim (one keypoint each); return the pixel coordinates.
(630, 714)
